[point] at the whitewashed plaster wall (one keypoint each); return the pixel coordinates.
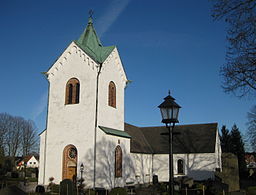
(105, 166)
(74, 123)
(41, 158)
(197, 166)
(143, 167)
(218, 152)
(112, 70)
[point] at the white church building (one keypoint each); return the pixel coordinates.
(85, 125)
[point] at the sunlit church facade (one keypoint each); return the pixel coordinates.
(85, 125)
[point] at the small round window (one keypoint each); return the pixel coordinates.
(72, 153)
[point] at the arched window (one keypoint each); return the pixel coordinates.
(77, 93)
(112, 94)
(180, 166)
(118, 162)
(72, 91)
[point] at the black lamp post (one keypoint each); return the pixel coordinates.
(170, 111)
(81, 180)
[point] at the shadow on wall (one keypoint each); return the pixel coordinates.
(143, 167)
(105, 167)
(199, 166)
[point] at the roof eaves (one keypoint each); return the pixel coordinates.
(183, 125)
(115, 132)
(144, 138)
(41, 132)
(89, 52)
(105, 52)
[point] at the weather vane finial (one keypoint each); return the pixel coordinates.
(169, 92)
(90, 13)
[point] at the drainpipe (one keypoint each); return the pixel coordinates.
(96, 124)
(45, 137)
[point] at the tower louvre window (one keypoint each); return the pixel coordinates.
(112, 94)
(72, 91)
(77, 92)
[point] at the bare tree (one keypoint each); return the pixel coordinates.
(28, 137)
(239, 72)
(8, 134)
(17, 135)
(13, 135)
(3, 118)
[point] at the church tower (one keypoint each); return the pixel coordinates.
(85, 118)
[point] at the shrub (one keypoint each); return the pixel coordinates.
(51, 184)
(51, 179)
(118, 191)
(55, 188)
(32, 179)
(15, 174)
(251, 190)
(92, 192)
(167, 193)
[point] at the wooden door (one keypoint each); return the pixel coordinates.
(71, 174)
(69, 163)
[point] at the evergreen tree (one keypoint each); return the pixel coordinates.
(225, 139)
(237, 148)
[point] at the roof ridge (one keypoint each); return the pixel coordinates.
(183, 125)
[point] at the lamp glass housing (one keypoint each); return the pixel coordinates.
(169, 110)
(82, 167)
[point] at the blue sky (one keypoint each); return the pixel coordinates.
(163, 44)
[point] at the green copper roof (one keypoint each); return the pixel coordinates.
(90, 43)
(115, 132)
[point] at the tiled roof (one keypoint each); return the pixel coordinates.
(139, 143)
(198, 138)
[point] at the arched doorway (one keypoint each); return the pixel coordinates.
(69, 169)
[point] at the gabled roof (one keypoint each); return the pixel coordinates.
(27, 158)
(198, 138)
(91, 45)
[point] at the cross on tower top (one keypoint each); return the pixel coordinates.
(90, 13)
